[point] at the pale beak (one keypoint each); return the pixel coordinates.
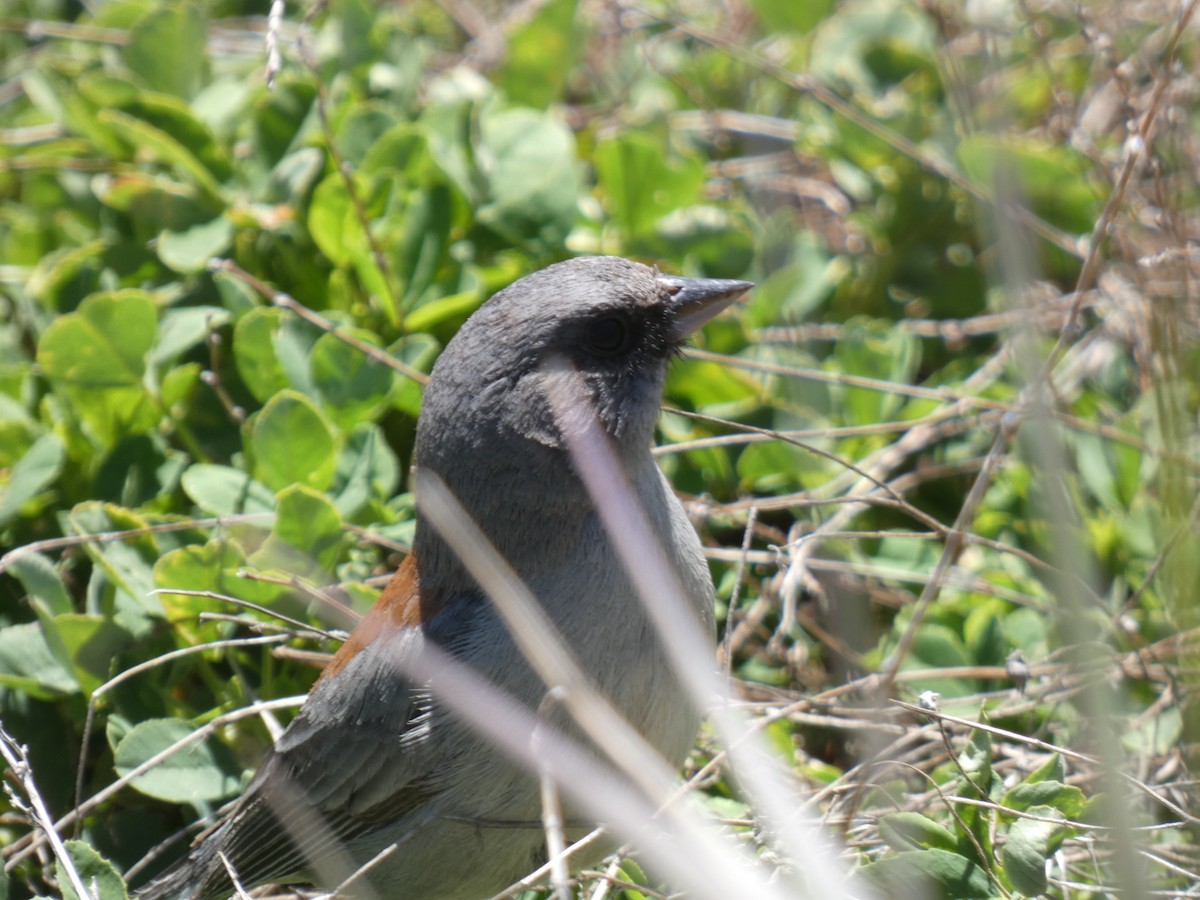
(696, 300)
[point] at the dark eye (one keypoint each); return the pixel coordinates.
(608, 336)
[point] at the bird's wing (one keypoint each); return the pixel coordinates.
(357, 756)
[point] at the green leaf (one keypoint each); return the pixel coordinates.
(540, 55)
(429, 315)
(875, 349)
(184, 328)
(1055, 177)
(780, 17)
(911, 831)
(168, 48)
(36, 470)
(1067, 799)
(643, 180)
(27, 663)
(1051, 770)
(98, 875)
(211, 567)
(293, 443)
(975, 761)
(225, 491)
(1030, 843)
(127, 564)
(334, 223)
(930, 873)
(104, 344)
(204, 771)
(42, 580)
(255, 355)
(367, 469)
(353, 386)
(92, 644)
(418, 351)
(532, 177)
(425, 243)
(308, 537)
(166, 149)
(1155, 734)
(190, 251)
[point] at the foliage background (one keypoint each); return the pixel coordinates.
(948, 444)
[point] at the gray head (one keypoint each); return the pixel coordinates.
(617, 322)
(486, 426)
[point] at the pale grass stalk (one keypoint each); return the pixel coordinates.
(544, 649)
(798, 836)
(688, 851)
(17, 758)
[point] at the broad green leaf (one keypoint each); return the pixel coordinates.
(188, 252)
(225, 491)
(308, 536)
(293, 443)
(874, 349)
(35, 471)
(1067, 799)
(353, 387)
(532, 176)
(975, 761)
(203, 771)
(1030, 843)
(206, 567)
(715, 389)
(98, 875)
(126, 563)
(1051, 770)
(27, 663)
(168, 48)
(425, 243)
(429, 315)
(540, 54)
(911, 831)
(255, 355)
(777, 466)
(1155, 734)
(1055, 177)
(64, 276)
(179, 119)
(930, 873)
(333, 222)
(184, 328)
(102, 345)
(236, 296)
(780, 17)
(92, 644)
(643, 181)
(367, 469)
(42, 580)
(366, 123)
(418, 351)
(166, 149)
(156, 201)
(940, 646)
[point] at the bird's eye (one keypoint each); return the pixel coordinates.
(608, 336)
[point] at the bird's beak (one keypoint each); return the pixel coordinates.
(696, 300)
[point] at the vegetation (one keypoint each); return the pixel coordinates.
(945, 456)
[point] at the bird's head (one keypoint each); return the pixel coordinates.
(615, 322)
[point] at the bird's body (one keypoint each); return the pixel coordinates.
(372, 761)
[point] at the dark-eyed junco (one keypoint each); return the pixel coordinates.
(371, 760)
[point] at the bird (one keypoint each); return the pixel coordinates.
(372, 763)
